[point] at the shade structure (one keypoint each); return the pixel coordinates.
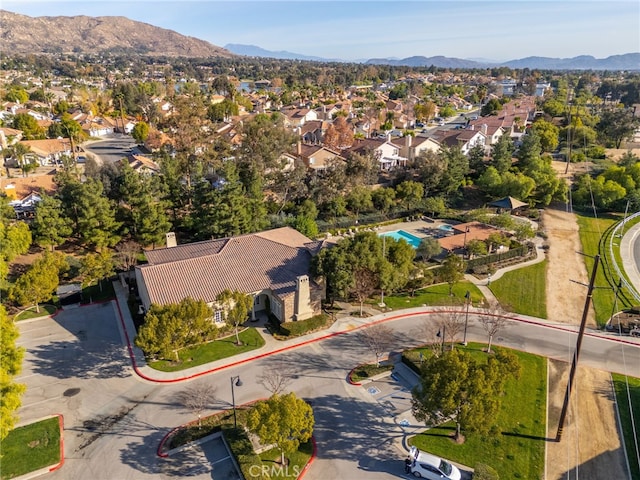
(508, 202)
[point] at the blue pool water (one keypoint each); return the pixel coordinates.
(446, 227)
(402, 235)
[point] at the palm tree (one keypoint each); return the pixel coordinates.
(18, 151)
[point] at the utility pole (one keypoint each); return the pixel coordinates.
(576, 353)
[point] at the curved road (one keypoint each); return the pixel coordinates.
(76, 365)
(111, 149)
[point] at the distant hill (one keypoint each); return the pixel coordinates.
(82, 34)
(255, 51)
(628, 61)
(419, 61)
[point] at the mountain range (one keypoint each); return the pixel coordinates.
(83, 34)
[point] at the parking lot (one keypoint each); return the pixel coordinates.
(211, 457)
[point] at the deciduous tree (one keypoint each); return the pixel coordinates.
(197, 397)
(236, 307)
(283, 420)
(10, 367)
(94, 267)
(455, 385)
(364, 284)
(452, 270)
(378, 339)
(39, 283)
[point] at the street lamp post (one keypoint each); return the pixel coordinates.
(466, 318)
(238, 383)
(444, 333)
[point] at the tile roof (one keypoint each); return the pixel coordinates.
(247, 263)
(477, 231)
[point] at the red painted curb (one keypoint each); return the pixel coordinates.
(314, 454)
(319, 339)
(61, 463)
(351, 382)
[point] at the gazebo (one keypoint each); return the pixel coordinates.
(508, 203)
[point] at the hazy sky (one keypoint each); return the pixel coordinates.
(496, 30)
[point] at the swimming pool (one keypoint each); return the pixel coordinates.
(445, 227)
(402, 235)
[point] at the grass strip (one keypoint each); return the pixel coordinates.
(30, 448)
(629, 401)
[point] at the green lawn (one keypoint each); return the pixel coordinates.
(212, 351)
(297, 461)
(30, 448)
(523, 290)
(30, 312)
(594, 235)
(435, 295)
(623, 397)
(516, 449)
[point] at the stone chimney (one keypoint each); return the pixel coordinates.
(302, 304)
(171, 240)
(299, 148)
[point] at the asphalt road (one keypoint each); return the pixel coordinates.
(111, 149)
(76, 365)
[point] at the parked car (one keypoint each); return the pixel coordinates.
(425, 465)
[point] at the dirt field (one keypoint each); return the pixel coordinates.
(590, 445)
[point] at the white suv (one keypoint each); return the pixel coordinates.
(425, 465)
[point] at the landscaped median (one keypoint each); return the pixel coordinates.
(262, 465)
(368, 372)
(36, 447)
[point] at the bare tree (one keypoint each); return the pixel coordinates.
(492, 320)
(379, 339)
(364, 284)
(452, 323)
(277, 377)
(197, 397)
(127, 255)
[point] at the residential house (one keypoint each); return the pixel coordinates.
(297, 117)
(272, 266)
(312, 132)
(50, 151)
(142, 164)
(411, 147)
(465, 139)
(386, 153)
(9, 136)
(317, 157)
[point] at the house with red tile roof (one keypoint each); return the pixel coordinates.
(272, 266)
